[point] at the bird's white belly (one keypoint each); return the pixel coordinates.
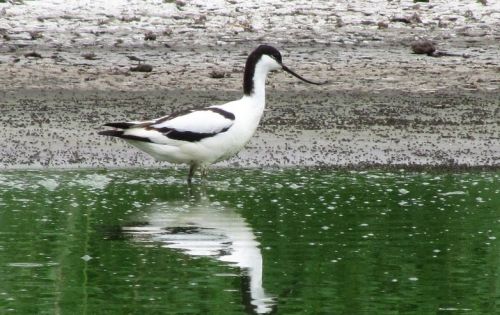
(221, 146)
(204, 152)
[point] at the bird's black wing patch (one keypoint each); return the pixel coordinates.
(121, 125)
(120, 134)
(189, 136)
(171, 128)
(222, 112)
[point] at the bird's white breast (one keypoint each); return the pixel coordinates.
(247, 114)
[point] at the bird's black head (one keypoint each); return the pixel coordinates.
(267, 50)
(253, 59)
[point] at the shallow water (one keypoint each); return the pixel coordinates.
(291, 242)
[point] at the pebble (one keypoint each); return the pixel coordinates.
(142, 68)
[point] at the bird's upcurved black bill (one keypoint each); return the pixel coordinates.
(298, 76)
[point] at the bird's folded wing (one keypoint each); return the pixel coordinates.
(192, 126)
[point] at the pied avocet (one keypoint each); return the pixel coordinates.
(211, 134)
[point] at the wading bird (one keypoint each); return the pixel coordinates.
(211, 134)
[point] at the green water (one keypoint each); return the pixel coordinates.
(249, 241)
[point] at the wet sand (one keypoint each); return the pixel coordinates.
(334, 128)
(384, 105)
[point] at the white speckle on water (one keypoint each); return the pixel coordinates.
(49, 184)
(25, 265)
(451, 193)
(294, 186)
(227, 275)
(95, 181)
(403, 191)
(413, 278)
(86, 257)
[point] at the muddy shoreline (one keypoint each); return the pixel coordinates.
(340, 129)
(384, 106)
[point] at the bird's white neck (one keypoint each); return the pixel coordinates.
(259, 86)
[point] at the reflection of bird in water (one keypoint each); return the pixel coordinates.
(201, 229)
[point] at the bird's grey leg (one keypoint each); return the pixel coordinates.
(204, 172)
(192, 169)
